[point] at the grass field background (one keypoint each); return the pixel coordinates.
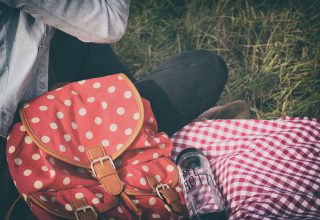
(272, 48)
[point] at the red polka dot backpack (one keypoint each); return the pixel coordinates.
(92, 150)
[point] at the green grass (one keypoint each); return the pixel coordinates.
(272, 48)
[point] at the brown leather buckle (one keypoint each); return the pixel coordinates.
(86, 208)
(167, 195)
(160, 187)
(100, 159)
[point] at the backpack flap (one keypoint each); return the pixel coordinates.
(65, 122)
(91, 124)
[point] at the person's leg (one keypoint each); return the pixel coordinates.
(101, 61)
(4, 180)
(73, 60)
(183, 87)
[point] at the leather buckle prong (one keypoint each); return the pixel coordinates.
(100, 159)
(84, 209)
(159, 187)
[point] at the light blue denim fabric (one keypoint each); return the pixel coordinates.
(26, 28)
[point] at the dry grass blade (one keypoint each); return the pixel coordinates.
(272, 48)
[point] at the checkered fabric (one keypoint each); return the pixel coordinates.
(267, 169)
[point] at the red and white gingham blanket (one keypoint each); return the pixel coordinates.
(267, 169)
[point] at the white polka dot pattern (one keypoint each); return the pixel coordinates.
(158, 178)
(89, 135)
(68, 207)
(67, 137)
(80, 115)
(60, 115)
(22, 128)
(145, 168)
(27, 172)
(43, 198)
(119, 146)
(120, 209)
(66, 181)
(120, 111)
(127, 94)
(97, 85)
(50, 97)
(45, 139)
(43, 108)
(82, 111)
(113, 127)
(170, 168)
(152, 201)
(28, 140)
(95, 201)
(35, 120)
(53, 125)
(52, 173)
(84, 119)
(98, 120)
(104, 105)
(81, 148)
(62, 148)
(79, 195)
(143, 181)
(99, 195)
(136, 116)
(156, 216)
(35, 156)
(12, 149)
(105, 143)
(90, 99)
(67, 102)
(38, 184)
(111, 89)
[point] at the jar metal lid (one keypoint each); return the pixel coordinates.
(188, 150)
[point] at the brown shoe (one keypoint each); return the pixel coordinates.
(233, 110)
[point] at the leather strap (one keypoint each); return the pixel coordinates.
(173, 200)
(104, 170)
(153, 182)
(168, 195)
(131, 205)
(83, 211)
(10, 210)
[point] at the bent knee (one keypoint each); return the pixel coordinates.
(205, 64)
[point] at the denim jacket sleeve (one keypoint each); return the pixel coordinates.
(100, 21)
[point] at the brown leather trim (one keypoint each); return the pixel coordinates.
(46, 207)
(133, 208)
(115, 155)
(11, 208)
(173, 200)
(153, 182)
(168, 195)
(104, 170)
(83, 211)
(139, 193)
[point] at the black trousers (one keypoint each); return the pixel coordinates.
(179, 89)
